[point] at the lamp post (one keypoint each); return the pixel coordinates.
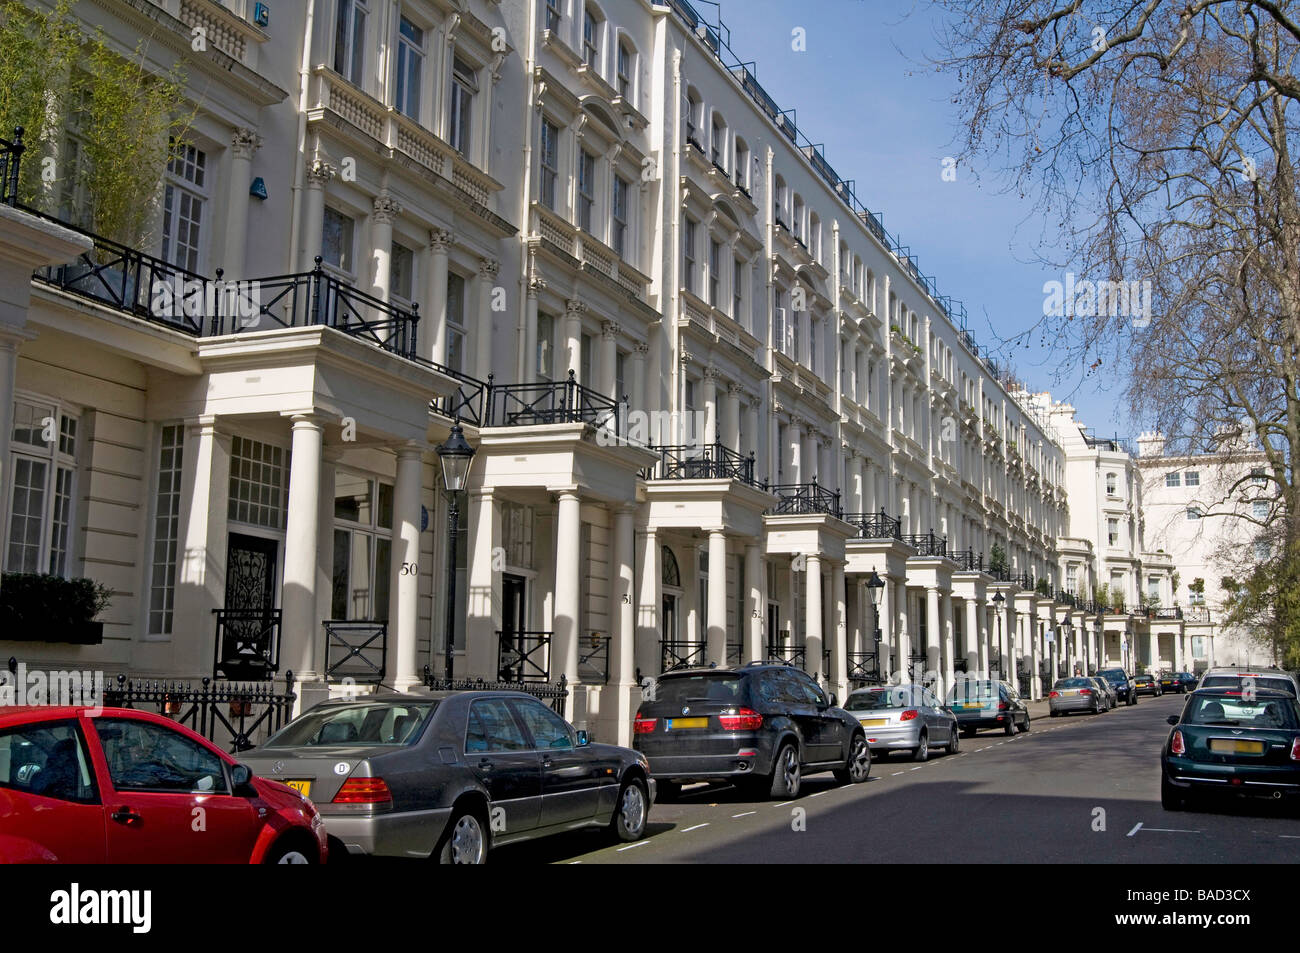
(455, 455)
(998, 600)
(876, 588)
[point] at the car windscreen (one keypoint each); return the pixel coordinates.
(876, 699)
(378, 723)
(724, 688)
(1114, 675)
(1074, 683)
(973, 690)
(1235, 682)
(1234, 711)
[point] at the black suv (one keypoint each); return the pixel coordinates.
(1125, 690)
(761, 726)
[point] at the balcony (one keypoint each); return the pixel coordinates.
(968, 560)
(803, 499)
(470, 400)
(1158, 613)
(927, 544)
(551, 402)
(709, 462)
(875, 525)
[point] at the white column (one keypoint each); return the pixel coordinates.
(298, 601)
(529, 366)
(973, 646)
(1030, 631)
(649, 604)
(483, 588)
(1007, 644)
(381, 245)
(948, 642)
(638, 399)
(487, 279)
(813, 615)
(313, 215)
(934, 632)
(573, 312)
(755, 605)
(404, 574)
(709, 392)
(904, 643)
(716, 637)
(10, 341)
(432, 333)
(243, 143)
(609, 361)
(622, 649)
(201, 574)
(731, 420)
(568, 539)
(794, 462)
(838, 676)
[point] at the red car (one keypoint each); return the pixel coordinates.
(112, 785)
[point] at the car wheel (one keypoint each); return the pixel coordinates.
(1171, 799)
(629, 820)
(667, 792)
(1025, 727)
(465, 840)
(1010, 726)
(952, 741)
(922, 751)
(968, 732)
(858, 768)
(785, 774)
(1055, 714)
(1132, 700)
(289, 854)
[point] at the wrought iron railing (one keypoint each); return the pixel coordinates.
(523, 656)
(355, 650)
(11, 151)
(1068, 598)
(554, 692)
(552, 402)
(804, 499)
(1197, 614)
(247, 644)
(878, 525)
(680, 653)
(708, 462)
(1114, 608)
(468, 403)
(864, 667)
(593, 660)
(1024, 682)
(927, 544)
(242, 710)
(968, 560)
(1160, 613)
(734, 654)
(796, 655)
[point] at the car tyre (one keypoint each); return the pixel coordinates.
(287, 853)
(1171, 799)
(968, 732)
(922, 751)
(858, 767)
(786, 773)
(1025, 727)
(465, 841)
(953, 743)
(667, 792)
(630, 811)
(1010, 726)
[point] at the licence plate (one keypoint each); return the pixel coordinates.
(873, 722)
(1231, 746)
(970, 706)
(302, 787)
(677, 724)
(1070, 691)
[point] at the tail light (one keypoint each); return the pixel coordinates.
(1003, 706)
(908, 715)
(364, 791)
(745, 719)
(1085, 691)
(1177, 747)
(1053, 694)
(642, 725)
(1295, 748)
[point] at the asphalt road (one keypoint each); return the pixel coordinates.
(1076, 789)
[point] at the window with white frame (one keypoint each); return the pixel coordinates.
(1193, 478)
(1257, 476)
(1259, 510)
(166, 529)
(257, 483)
(718, 141)
(42, 476)
(401, 270)
(591, 39)
(619, 216)
(1193, 512)
(1153, 588)
(1110, 484)
(740, 171)
(337, 248)
(548, 158)
(517, 534)
(738, 290)
(1072, 578)
(455, 322)
(715, 271)
(586, 188)
(464, 87)
(1173, 478)
(184, 200)
(1112, 532)
(363, 547)
(688, 253)
(624, 69)
(553, 15)
(350, 41)
(545, 346)
(410, 64)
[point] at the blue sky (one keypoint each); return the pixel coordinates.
(863, 88)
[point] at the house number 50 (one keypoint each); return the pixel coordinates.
(410, 569)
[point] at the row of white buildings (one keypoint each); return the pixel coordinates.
(710, 397)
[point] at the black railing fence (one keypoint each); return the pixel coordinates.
(553, 692)
(524, 656)
(707, 462)
(804, 499)
(11, 152)
(593, 659)
(864, 667)
(927, 544)
(968, 560)
(552, 402)
(680, 653)
(469, 402)
(355, 650)
(247, 644)
(879, 525)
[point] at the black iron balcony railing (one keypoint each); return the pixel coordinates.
(552, 402)
(1068, 598)
(875, 525)
(680, 653)
(968, 560)
(468, 403)
(864, 667)
(11, 151)
(733, 654)
(1001, 573)
(708, 462)
(523, 656)
(221, 712)
(1159, 612)
(797, 656)
(1114, 608)
(804, 499)
(355, 650)
(1197, 614)
(927, 544)
(247, 644)
(553, 692)
(1025, 580)
(593, 660)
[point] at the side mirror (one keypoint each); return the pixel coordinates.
(1172, 719)
(582, 739)
(241, 778)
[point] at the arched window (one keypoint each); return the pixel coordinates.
(670, 575)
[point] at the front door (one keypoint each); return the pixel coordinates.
(514, 661)
(248, 619)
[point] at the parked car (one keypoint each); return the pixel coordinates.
(1108, 697)
(904, 718)
(1235, 677)
(985, 703)
(89, 785)
(1147, 684)
(762, 726)
(1123, 687)
(1225, 744)
(1180, 682)
(451, 775)
(1074, 694)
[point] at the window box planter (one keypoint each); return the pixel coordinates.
(35, 607)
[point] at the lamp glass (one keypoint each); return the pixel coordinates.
(455, 455)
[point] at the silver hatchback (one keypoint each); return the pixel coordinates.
(904, 718)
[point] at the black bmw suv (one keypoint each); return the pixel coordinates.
(1125, 689)
(761, 726)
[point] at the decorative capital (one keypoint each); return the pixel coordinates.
(386, 209)
(319, 173)
(735, 389)
(712, 373)
(440, 239)
(488, 268)
(244, 142)
(685, 356)
(641, 351)
(609, 330)
(575, 306)
(536, 286)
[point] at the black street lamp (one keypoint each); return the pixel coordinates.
(998, 600)
(455, 455)
(875, 589)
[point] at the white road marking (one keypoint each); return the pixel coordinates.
(896, 774)
(985, 748)
(1290, 836)
(917, 768)
(744, 814)
(687, 830)
(784, 803)
(1169, 830)
(640, 843)
(1137, 827)
(818, 794)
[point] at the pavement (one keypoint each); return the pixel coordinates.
(1077, 789)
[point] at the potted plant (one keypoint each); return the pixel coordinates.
(38, 607)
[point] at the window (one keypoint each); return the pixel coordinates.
(548, 729)
(491, 728)
(548, 158)
(350, 41)
(1193, 512)
(694, 111)
(1257, 476)
(737, 288)
(1112, 532)
(1262, 550)
(410, 60)
(401, 272)
(48, 760)
(455, 322)
(796, 225)
(183, 203)
(715, 271)
(590, 39)
(1072, 578)
(740, 171)
(586, 188)
(166, 530)
(143, 756)
(256, 483)
(553, 15)
(620, 375)
(1110, 484)
(624, 84)
(42, 476)
(717, 142)
(1193, 478)
(517, 534)
(1153, 588)
(363, 547)
(1259, 510)
(585, 348)
(1173, 478)
(545, 346)
(337, 243)
(688, 254)
(464, 86)
(778, 201)
(618, 238)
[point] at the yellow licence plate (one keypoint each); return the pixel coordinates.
(676, 724)
(302, 787)
(873, 722)
(1229, 746)
(970, 705)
